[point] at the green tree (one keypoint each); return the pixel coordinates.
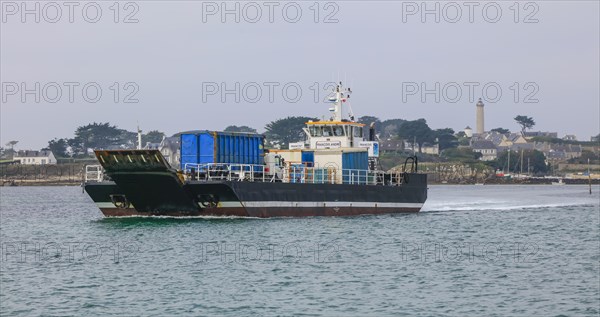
(284, 131)
(235, 128)
(525, 122)
(501, 130)
(58, 147)
(446, 138)
(583, 159)
(153, 136)
(462, 138)
(101, 136)
(11, 151)
(389, 128)
(11, 145)
(418, 131)
(367, 120)
(465, 155)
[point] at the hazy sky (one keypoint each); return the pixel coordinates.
(176, 53)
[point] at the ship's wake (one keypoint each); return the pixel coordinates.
(500, 207)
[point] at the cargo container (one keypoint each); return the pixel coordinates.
(189, 149)
(221, 147)
(355, 166)
(355, 160)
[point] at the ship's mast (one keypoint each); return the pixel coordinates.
(339, 96)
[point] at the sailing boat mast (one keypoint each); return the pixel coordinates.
(508, 165)
(521, 165)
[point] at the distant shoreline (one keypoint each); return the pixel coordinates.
(41, 183)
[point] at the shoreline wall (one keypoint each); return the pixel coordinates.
(41, 175)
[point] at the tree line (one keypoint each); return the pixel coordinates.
(290, 129)
(99, 136)
(278, 132)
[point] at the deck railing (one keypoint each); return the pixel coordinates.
(226, 172)
(291, 174)
(260, 173)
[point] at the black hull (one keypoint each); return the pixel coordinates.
(145, 197)
(144, 185)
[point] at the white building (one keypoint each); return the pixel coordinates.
(468, 132)
(486, 148)
(431, 149)
(35, 157)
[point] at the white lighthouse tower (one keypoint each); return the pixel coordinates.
(479, 128)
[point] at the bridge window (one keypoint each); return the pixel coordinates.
(338, 131)
(326, 131)
(316, 131)
(358, 132)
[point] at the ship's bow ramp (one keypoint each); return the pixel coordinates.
(147, 180)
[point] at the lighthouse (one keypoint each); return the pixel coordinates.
(479, 112)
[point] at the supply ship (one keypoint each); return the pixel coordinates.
(333, 172)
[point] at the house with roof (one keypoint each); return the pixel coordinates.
(169, 147)
(497, 138)
(522, 147)
(486, 148)
(391, 146)
(555, 156)
(151, 146)
(533, 134)
(516, 138)
(28, 157)
(514, 142)
(570, 150)
(559, 152)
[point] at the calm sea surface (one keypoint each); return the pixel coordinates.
(474, 250)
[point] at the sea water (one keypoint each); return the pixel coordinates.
(473, 250)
